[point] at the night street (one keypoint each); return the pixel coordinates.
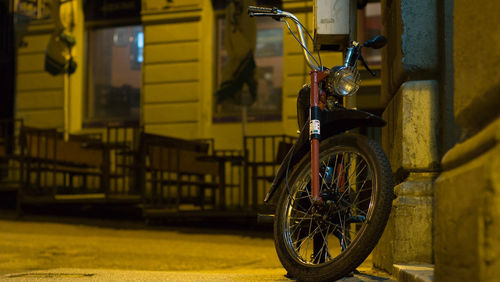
(154, 140)
(35, 248)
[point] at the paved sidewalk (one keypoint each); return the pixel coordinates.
(68, 274)
(42, 250)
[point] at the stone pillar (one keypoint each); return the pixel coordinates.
(411, 93)
(411, 140)
(467, 193)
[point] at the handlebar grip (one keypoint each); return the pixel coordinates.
(377, 42)
(253, 9)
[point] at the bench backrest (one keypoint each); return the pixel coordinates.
(180, 161)
(178, 155)
(49, 145)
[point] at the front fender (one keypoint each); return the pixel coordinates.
(333, 122)
(340, 120)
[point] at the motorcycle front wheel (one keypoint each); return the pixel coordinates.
(328, 240)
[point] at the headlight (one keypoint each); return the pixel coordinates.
(345, 81)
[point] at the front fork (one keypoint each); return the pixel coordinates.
(315, 130)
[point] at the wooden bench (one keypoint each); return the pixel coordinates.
(179, 172)
(55, 168)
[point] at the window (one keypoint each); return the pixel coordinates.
(269, 61)
(32, 10)
(369, 26)
(370, 21)
(114, 74)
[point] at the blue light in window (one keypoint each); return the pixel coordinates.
(140, 39)
(140, 46)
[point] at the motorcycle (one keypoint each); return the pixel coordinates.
(336, 186)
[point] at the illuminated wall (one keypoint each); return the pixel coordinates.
(178, 75)
(39, 96)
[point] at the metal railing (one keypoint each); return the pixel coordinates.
(123, 145)
(223, 180)
(263, 155)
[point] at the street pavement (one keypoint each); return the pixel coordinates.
(42, 249)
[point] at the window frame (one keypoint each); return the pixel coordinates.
(93, 122)
(236, 116)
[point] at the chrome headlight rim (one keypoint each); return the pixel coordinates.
(344, 81)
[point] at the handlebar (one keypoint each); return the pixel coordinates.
(278, 14)
(353, 52)
(253, 9)
(376, 42)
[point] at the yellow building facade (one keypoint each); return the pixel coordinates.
(436, 73)
(179, 75)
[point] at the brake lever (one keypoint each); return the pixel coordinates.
(277, 18)
(366, 65)
(273, 16)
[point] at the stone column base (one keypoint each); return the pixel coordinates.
(408, 235)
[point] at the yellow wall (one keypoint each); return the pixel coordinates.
(179, 73)
(178, 76)
(39, 96)
(176, 59)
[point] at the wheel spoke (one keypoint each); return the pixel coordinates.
(311, 236)
(356, 168)
(327, 252)
(302, 212)
(325, 241)
(301, 220)
(356, 209)
(306, 239)
(349, 188)
(346, 185)
(300, 198)
(300, 223)
(309, 195)
(294, 200)
(325, 164)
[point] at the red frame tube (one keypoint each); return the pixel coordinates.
(315, 105)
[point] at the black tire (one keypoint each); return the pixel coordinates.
(356, 205)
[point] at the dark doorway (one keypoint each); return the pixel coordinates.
(7, 59)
